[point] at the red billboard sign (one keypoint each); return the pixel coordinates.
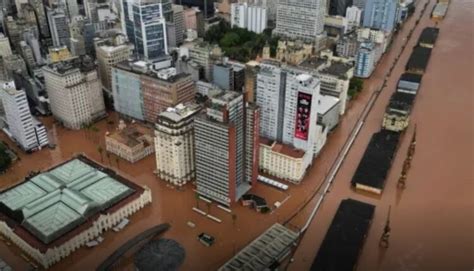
(303, 111)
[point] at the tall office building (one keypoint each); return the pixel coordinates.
(72, 8)
(220, 149)
(142, 93)
(41, 18)
(74, 92)
(174, 144)
(28, 132)
(252, 18)
(5, 49)
(176, 27)
(366, 59)
(381, 14)
(33, 42)
(27, 53)
(109, 54)
(338, 7)
(205, 55)
(59, 26)
(250, 75)
(145, 25)
(252, 141)
(353, 16)
(270, 96)
(287, 101)
(359, 4)
(300, 19)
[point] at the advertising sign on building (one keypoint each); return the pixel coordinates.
(303, 111)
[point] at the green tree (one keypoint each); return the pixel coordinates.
(5, 159)
(230, 39)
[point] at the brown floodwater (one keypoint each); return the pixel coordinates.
(431, 219)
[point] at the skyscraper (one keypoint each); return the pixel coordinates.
(59, 25)
(38, 8)
(220, 137)
(380, 14)
(29, 133)
(145, 25)
(287, 100)
(300, 19)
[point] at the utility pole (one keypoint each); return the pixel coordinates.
(384, 239)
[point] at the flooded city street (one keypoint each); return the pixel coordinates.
(432, 219)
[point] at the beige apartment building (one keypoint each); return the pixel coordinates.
(174, 144)
(74, 92)
(282, 161)
(109, 53)
(132, 143)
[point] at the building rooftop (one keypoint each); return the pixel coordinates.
(133, 135)
(142, 67)
(262, 253)
(429, 35)
(345, 237)
(419, 58)
(377, 160)
(337, 69)
(313, 62)
(49, 208)
(283, 148)
(326, 103)
(411, 77)
(179, 112)
(83, 63)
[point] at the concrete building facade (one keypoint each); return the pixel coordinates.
(130, 142)
(381, 14)
(220, 149)
(74, 92)
(302, 19)
(59, 26)
(22, 127)
(251, 17)
(110, 54)
(174, 144)
(145, 25)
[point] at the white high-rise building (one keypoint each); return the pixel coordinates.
(287, 100)
(250, 17)
(74, 91)
(301, 101)
(353, 16)
(174, 144)
(270, 97)
(28, 132)
(300, 19)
